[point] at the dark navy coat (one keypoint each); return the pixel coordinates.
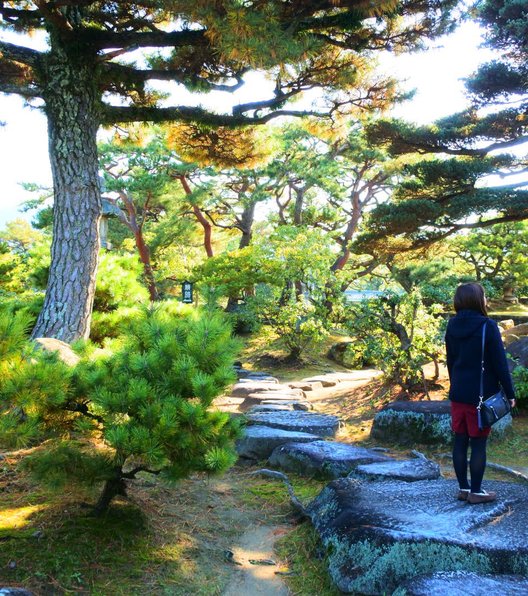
(464, 351)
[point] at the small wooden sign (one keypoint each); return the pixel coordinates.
(187, 292)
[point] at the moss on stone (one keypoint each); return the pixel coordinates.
(378, 569)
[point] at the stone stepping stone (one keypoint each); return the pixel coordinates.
(247, 387)
(371, 528)
(323, 459)
(426, 422)
(270, 408)
(259, 442)
(313, 386)
(293, 404)
(464, 583)
(324, 380)
(408, 470)
(249, 378)
(282, 394)
(323, 425)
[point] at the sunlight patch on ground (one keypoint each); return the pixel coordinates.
(11, 519)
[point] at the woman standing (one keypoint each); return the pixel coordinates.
(464, 356)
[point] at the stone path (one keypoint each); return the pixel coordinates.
(403, 503)
(264, 399)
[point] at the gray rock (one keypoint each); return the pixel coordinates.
(282, 394)
(464, 583)
(519, 351)
(323, 459)
(426, 422)
(293, 404)
(248, 387)
(260, 377)
(324, 380)
(313, 386)
(63, 350)
(379, 534)
(323, 425)
(270, 408)
(260, 441)
(408, 470)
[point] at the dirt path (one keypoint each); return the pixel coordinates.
(257, 542)
(257, 545)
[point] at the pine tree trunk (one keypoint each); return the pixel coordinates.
(112, 488)
(72, 103)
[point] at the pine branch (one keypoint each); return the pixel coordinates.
(113, 114)
(133, 472)
(134, 75)
(157, 39)
(17, 15)
(16, 53)
(24, 90)
(53, 15)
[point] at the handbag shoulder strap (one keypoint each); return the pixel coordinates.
(481, 391)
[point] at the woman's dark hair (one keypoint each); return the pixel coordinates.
(470, 296)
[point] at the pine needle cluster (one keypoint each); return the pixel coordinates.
(141, 406)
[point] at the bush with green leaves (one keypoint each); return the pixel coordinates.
(520, 381)
(400, 335)
(296, 320)
(34, 388)
(144, 405)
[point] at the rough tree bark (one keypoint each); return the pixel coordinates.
(72, 107)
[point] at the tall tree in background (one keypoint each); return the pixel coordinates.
(203, 46)
(448, 189)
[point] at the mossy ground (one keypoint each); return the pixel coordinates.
(171, 539)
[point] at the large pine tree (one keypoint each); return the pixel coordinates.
(204, 45)
(446, 187)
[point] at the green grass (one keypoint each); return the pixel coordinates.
(306, 564)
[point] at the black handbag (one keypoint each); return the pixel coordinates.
(495, 407)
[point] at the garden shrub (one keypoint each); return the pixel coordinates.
(144, 405)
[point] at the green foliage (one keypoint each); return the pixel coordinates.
(496, 255)
(400, 335)
(297, 321)
(118, 282)
(520, 381)
(35, 385)
(145, 400)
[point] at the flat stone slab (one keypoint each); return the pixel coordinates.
(379, 534)
(464, 583)
(426, 422)
(294, 404)
(312, 386)
(247, 387)
(270, 408)
(323, 425)
(325, 382)
(407, 470)
(259, 442)
(252, 377)
(323, 459)
(281, 394)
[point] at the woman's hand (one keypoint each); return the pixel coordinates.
(512, 402)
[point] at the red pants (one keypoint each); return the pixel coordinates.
(464, 420)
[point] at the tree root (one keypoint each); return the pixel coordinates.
(297, 505)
